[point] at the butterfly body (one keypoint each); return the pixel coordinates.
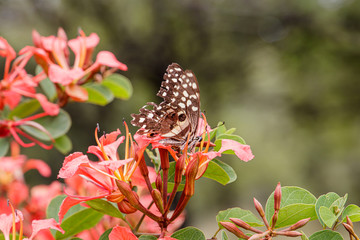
(176, 118)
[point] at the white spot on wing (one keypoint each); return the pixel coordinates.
(190, 74)
(177, 69)
(183, 99)
(194, 108)
(150, 115)
(176, 94)
(174, 79)
(182, 105)
(185, 93)
(188, 103)
(141, 120)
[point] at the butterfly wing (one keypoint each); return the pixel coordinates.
(178, 114)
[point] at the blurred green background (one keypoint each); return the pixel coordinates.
(284, 73)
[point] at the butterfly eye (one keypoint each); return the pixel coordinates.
(151, 134)
(182, 117)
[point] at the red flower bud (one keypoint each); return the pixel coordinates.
(244, 225)
(259, 208)
(299, 224)
(289, 233)
(233, 229)
(158, 182)
(277, 197)
(125, 207)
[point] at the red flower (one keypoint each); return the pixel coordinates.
(102, 174)
(17, 83)
(52, 53)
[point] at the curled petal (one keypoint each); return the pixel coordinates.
(110, 144)
(6, 50)
(50, 108)
(6, 223)
(242, 151)
(64, 76)
(90, 42)
(108, 59)
(123, 233)
(38, 225)
(72, 164)
(39, 165)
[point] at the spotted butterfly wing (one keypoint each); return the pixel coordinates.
(178, 114)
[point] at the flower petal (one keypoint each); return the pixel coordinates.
(50, 108)
(39, 165)
(64, 76)
(123, 233)
(108, 59)
(38, 225)
(242, 151)
(77, 93)
(115, 164)
(72, 163)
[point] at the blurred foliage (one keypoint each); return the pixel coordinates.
(284, 73)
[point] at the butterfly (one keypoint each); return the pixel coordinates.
(177, 116)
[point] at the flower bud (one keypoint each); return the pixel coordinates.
(259, 208)
(299, 224)
(348, 221)
(244, 225)
(233, 229)
(349, 229)
(289, 233)
(277, 197)
(179, 168)
(190, 174)
(125, 207)
(158, 182)
(274, 219)
(259, 236)
(156, 195)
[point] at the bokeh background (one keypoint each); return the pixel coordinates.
(285, 73)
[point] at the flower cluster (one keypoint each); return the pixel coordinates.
(138, 189)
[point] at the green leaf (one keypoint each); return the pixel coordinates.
(245, 215)
(98, 94)
(326, 235)
(119, 85)
(49, 89)
(189, 233)
(147, 237)
(53, 208)
(293, 213)
(220, 172)
(230, 131)
(105, 235)
(325, 200)
(4, 146)
(171, 176)
(353, 212)
(221, 129)
(303, 236)
(105, 207)
(57, 126)
(289, 195)
(25, 109)
(63, 144)
(224, 236)
(327, 216)
(78, 222)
